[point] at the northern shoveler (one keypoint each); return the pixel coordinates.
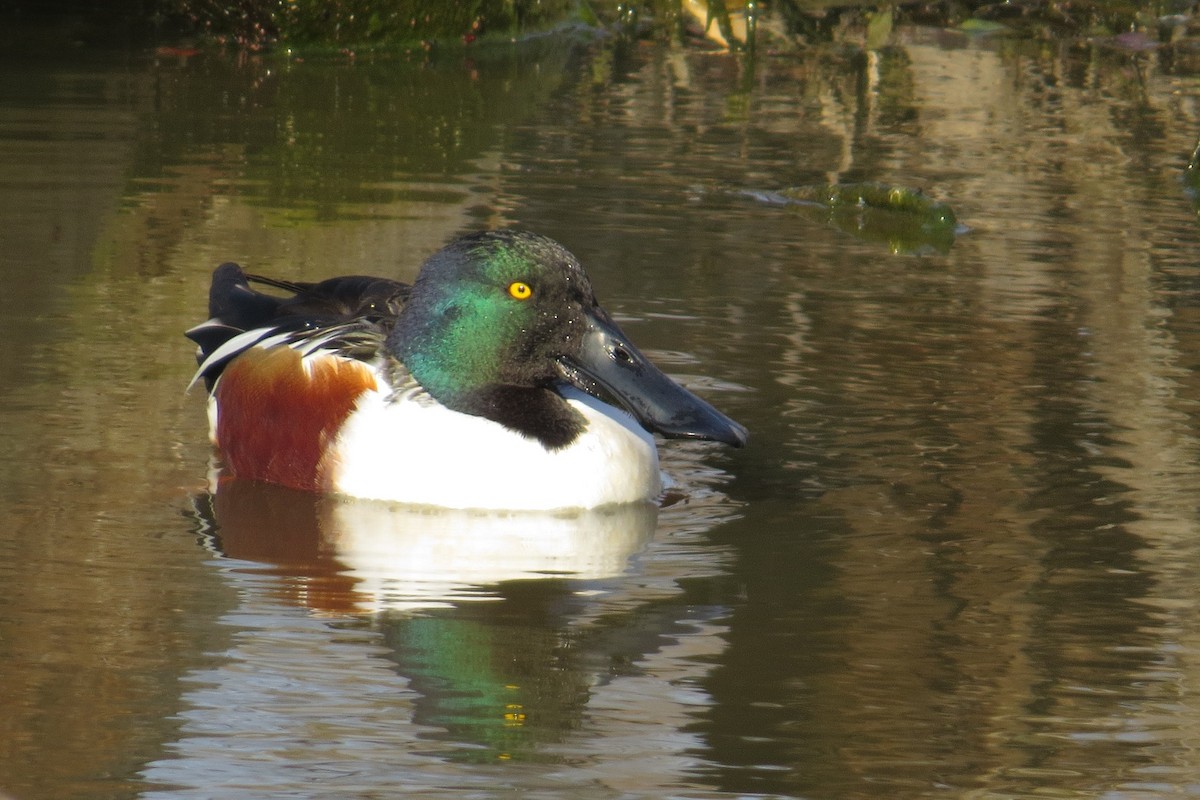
(494, 381)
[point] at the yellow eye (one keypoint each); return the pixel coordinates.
(520, 290)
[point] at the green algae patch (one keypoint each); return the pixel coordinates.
(905, 220)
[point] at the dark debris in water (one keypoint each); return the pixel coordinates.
(1191, 179)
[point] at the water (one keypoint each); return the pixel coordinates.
(957, 559)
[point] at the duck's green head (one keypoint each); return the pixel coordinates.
(496, 321)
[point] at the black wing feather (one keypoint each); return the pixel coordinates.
(343, 298)
(359, 308)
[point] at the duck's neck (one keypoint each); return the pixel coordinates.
(538, 413)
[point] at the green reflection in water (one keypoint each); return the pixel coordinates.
(500, 682)
(319, 138)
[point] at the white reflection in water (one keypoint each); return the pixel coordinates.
(405, 556)
(382, 556)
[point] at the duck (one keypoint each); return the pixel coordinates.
(495, 381)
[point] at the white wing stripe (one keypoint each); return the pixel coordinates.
(306, 341)
(243, 341)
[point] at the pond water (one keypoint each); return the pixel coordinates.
(958, 558)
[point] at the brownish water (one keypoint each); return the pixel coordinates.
(959, 557)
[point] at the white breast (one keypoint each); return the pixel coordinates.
(422, 453)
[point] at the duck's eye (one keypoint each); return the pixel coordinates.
(520, 290)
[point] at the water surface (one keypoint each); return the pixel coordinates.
(957, 557)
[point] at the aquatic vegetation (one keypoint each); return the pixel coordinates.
(352, 27)
(906, 220)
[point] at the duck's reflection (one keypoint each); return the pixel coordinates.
(593, 651)
(355, 555)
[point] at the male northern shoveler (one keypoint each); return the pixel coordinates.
(495, 381)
